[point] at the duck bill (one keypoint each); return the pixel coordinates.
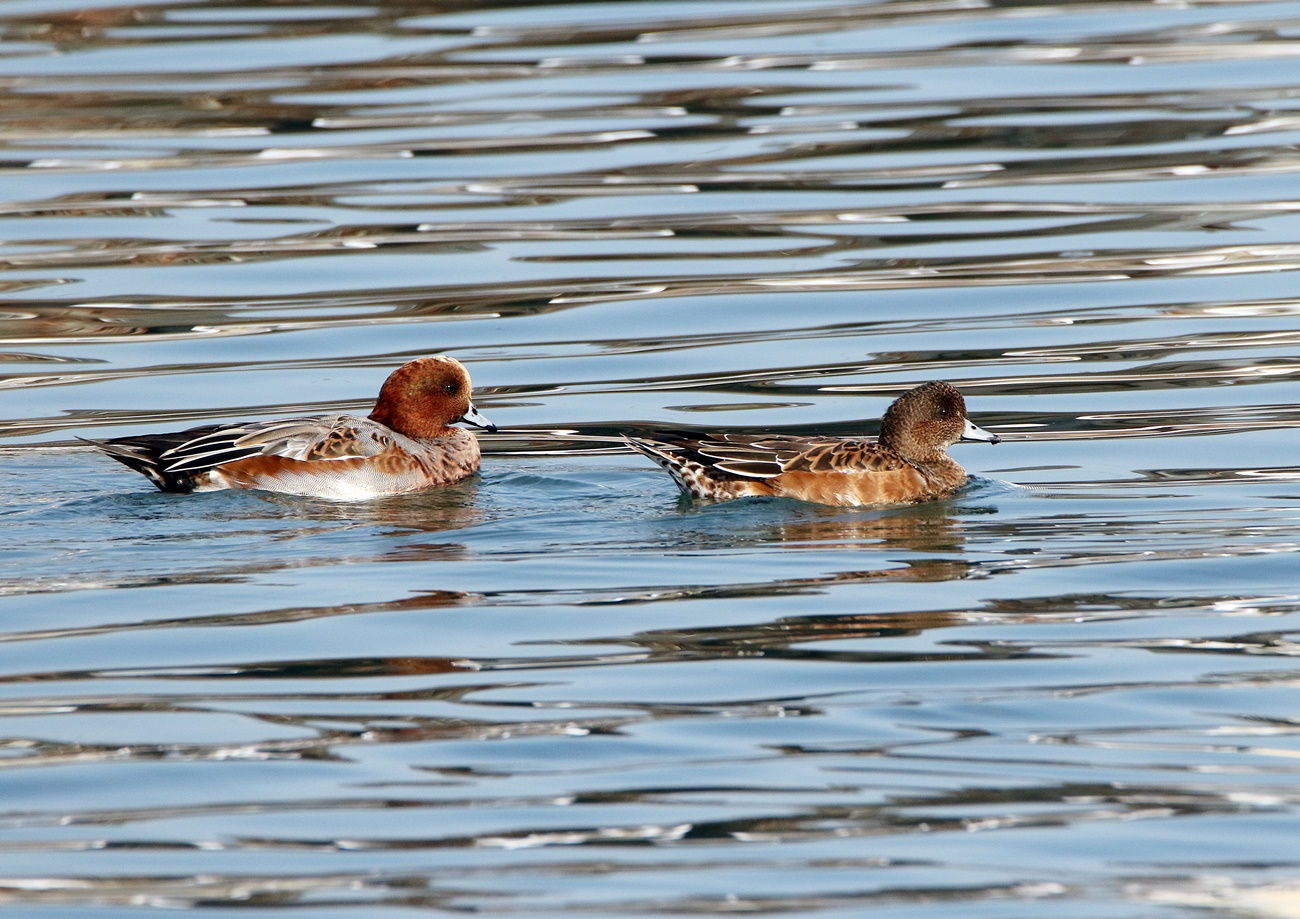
(973, 433)
(474, 417)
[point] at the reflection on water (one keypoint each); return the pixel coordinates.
(557, 689)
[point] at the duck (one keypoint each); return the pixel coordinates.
(907, 464)
(406, 444)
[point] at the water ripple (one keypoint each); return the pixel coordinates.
(557, 688)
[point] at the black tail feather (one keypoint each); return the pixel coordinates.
(144, 455)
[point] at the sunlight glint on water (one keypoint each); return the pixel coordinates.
(558, 689)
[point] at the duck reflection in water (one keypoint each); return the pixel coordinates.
(908, 463)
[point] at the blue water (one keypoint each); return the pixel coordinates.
(559, 688)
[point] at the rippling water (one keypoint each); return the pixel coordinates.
(557, 689)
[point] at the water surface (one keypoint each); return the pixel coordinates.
(557, 689)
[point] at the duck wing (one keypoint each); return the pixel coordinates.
(768, 456)
(317, 437)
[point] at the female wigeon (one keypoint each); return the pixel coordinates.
(909, 463)
(405, 444)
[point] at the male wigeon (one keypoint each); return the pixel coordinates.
(908, 463)
(405, 445)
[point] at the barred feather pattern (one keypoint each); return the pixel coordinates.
(828, 471)
(338, 456)
(908, 463)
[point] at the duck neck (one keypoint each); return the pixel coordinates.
(911, 449)
(399, 414)
(933, 459)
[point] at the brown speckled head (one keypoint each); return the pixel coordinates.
(422, 397)
(925, 421)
